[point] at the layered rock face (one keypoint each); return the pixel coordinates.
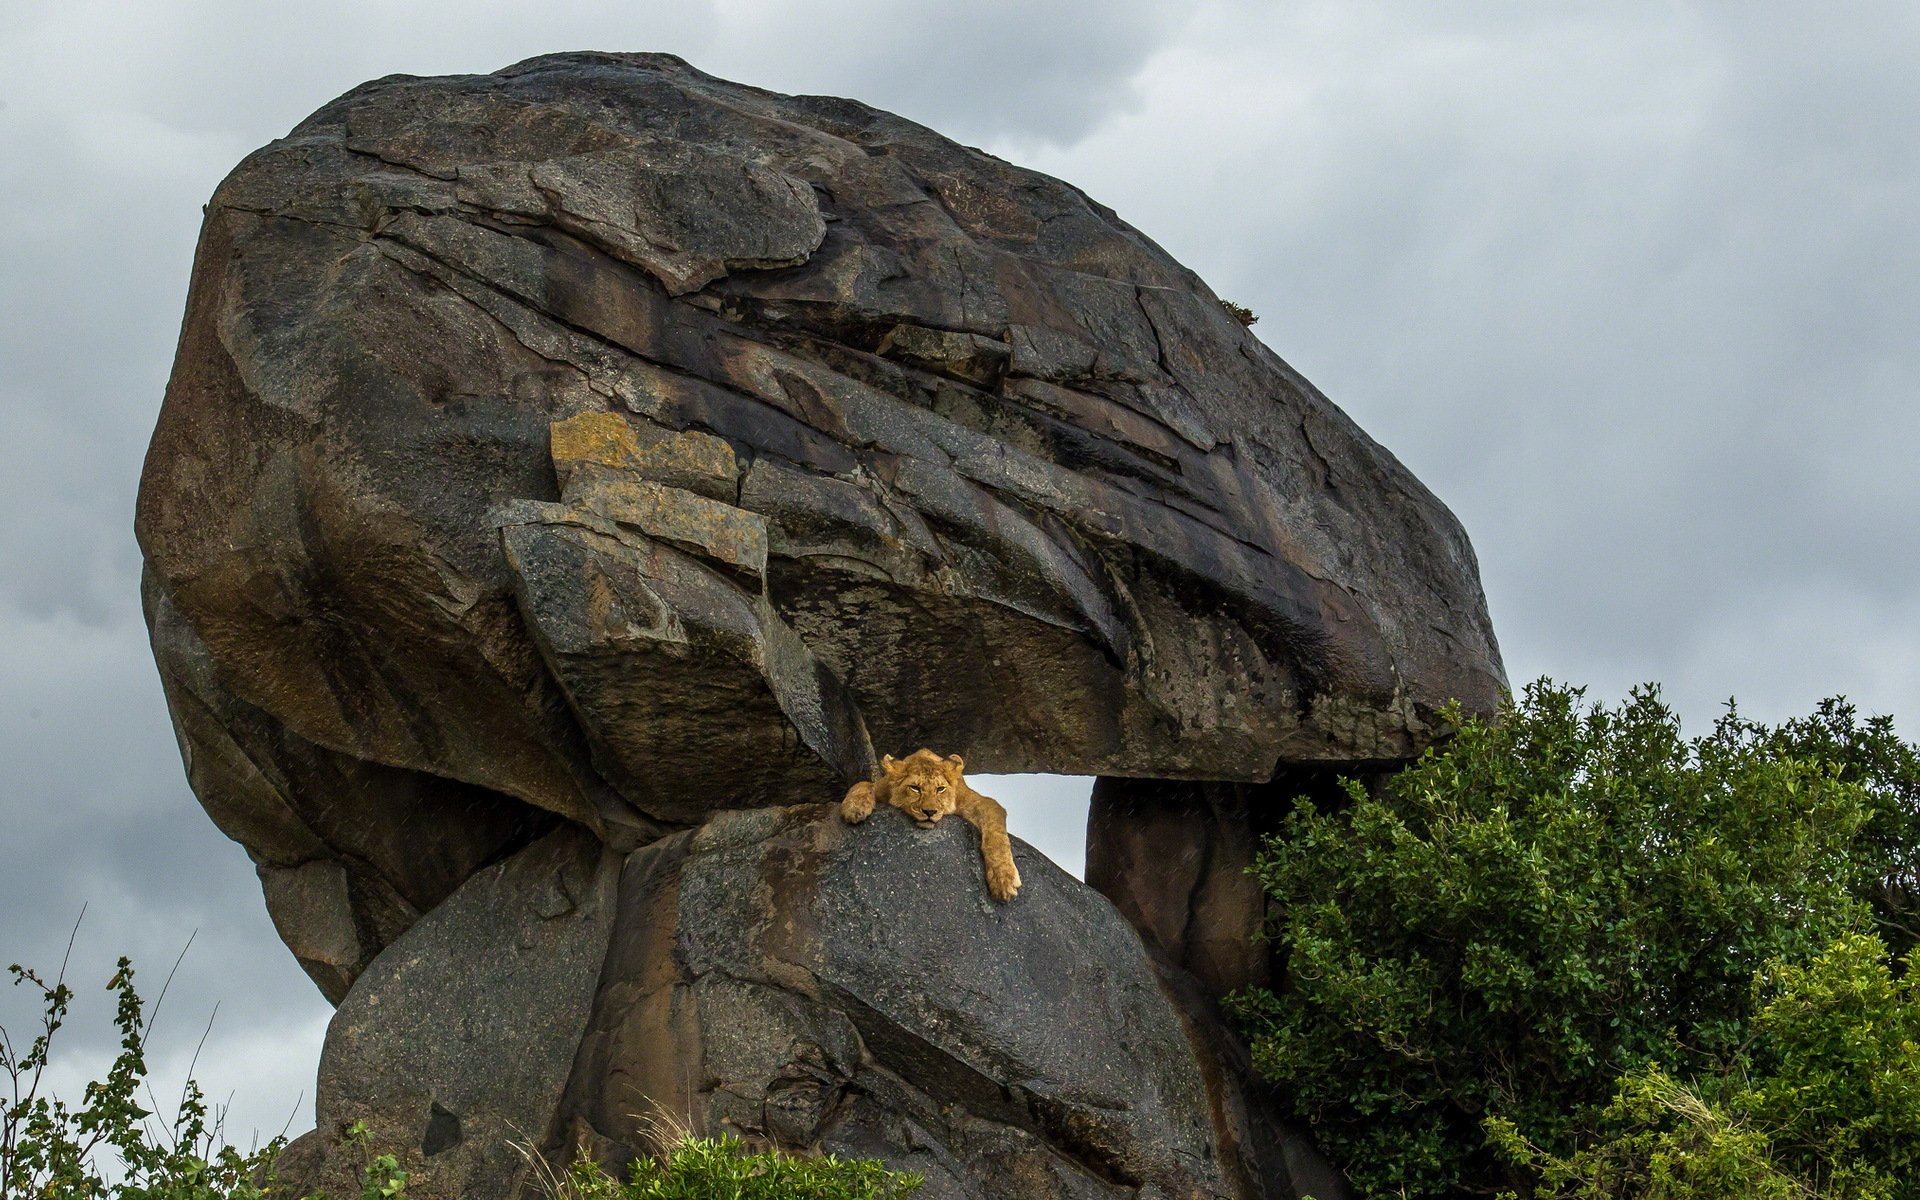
(561, 460)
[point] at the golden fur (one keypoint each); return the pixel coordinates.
(927, 788)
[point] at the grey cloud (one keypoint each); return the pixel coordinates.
(223, 65)
(97, 249)
(981, 70)
(1045, 73)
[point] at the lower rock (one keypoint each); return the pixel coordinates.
(853, 990)
(457, 1041)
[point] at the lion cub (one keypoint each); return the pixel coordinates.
(927, 787)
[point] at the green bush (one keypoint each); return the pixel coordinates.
(53, 1150)
(1553, 902)
(1824, 1102)
(1887, 853)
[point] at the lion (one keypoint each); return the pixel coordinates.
(928, 787)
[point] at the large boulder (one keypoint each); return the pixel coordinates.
(586, 449)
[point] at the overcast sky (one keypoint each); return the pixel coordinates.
(1634, 287)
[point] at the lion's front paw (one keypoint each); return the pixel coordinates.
(858, 805)
(1003, 880)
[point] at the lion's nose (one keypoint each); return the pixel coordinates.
(929, 814)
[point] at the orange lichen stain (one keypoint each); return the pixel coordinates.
(602, 438)
(694, 460)
(718, 531)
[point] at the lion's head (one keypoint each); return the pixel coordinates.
(923, 785)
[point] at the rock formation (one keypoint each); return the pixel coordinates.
(567, 471)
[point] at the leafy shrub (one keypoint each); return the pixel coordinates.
(1824, 1103)
(1887, 852)
(50, 1149)
(1554, 900)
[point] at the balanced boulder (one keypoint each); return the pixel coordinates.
(575, 455)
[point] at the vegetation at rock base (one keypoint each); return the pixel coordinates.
(703, 1168)
(112, 1146)
(1572, 953)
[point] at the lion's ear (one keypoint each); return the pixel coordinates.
(886, 763)
(958, 762)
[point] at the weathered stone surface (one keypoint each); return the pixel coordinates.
(675, 673)
(610, 445)
(812, 986)
(563, 456)
(828, 988)
(350, 852)
(458, 1040)
(1173, 856)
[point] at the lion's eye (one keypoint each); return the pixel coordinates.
(913, 787)
(941, 788)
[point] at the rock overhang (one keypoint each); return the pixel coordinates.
(612, 440)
